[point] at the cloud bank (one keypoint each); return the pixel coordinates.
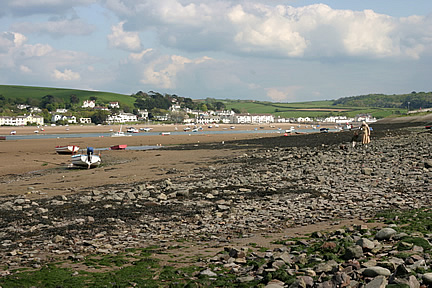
(222, 49)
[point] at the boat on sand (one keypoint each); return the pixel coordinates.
(118, 147)
(86, 161)
(68, 149)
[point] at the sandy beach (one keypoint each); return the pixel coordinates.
(33, 167)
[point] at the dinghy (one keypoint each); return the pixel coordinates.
(69, 149)
(86, 161)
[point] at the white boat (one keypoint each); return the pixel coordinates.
(132, 130)
(120, 133)
(85, 161)
(69, 149)
(291, 130)
(146, 129)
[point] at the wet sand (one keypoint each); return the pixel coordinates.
(33, 167)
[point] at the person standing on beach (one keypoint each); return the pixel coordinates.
(365, 133)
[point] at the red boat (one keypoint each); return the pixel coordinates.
(119, 147)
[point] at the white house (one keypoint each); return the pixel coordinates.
(85, 120)
(143, 114)
(35, 110)
(304, 119)
(337, 119)
(175, 107)
(89, 104)
(241, 118)
(364, 117)
(22, 106)
(61, 110)
(21, 120)
(251, 118)
(122, 118)
(114, 105)
(207, 119)
(68, 119)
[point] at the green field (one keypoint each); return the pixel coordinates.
(24, 92)
(310, 109)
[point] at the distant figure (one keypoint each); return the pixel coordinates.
(362, 134)
(365, 133)
(90, 152)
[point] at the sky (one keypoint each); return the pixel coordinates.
(266, 50)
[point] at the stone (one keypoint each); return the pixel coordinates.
(353, 252)
(385, 234)
(377, 282)
(208, 273)
(366, 244)
(376, 271)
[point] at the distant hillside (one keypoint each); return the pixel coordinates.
(25, 92)
(414, 100)
(378, 105)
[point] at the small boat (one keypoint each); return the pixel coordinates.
(291, 130)
(13, 132)
(165, 133)
(69, 149)
(324, 130)
(119, 147)
(145, 129)
(186, 129)
(132, 130)
(86, 161)
(120, 133)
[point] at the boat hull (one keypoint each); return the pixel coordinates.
(118, 147)
(70, 149)
(83, 161)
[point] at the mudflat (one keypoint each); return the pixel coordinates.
(32, 166)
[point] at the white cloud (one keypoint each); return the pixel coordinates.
(163, 71)
(67, 75)
(279, 31)
(25, 69)
(139, 56)
(58, 28)
(129, 41)
(284, 94)
(10, 40)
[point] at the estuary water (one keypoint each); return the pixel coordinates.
(85, 135)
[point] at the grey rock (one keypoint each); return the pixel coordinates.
(377, 282)
(353, 252)
(385, 234)
(376, 271)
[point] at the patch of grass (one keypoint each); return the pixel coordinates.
(418, 241)
(106, 260)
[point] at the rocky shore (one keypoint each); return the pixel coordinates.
(278, 183)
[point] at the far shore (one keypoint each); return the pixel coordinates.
(77, 128)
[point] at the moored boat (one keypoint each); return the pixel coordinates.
(86, 161)
(68, 149)
(118, 147)
(120, 133)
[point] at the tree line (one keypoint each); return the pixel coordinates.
(414, 100)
